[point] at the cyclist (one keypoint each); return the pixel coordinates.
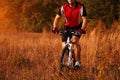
(76, 19)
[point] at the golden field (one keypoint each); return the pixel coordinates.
(35, 56)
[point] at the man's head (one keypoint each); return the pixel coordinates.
(71, 2)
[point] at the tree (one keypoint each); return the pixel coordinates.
(32, 15)
(106, 10)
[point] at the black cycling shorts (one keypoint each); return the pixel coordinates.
(64, 37)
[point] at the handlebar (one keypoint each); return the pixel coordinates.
(68, 33)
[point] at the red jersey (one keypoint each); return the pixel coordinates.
(73, 15)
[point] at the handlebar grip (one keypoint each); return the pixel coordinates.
(82, 31)
(55, 31)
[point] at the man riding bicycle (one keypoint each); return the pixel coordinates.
(76, 19)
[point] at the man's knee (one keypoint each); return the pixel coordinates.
(75, 39)
(77, 46)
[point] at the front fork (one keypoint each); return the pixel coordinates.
(70, 47)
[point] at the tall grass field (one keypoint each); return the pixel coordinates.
(35, 56)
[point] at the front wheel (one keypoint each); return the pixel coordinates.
(64, 59)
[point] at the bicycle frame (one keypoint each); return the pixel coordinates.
(68, 44)
(70, 47)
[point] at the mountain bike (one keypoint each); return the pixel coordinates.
(67, 58)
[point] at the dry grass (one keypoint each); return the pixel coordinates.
(34, 56)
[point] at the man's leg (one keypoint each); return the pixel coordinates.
(77, 49)
(63, 45)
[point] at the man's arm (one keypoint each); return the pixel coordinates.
(84, 24)
(84, 17)
(56, 21)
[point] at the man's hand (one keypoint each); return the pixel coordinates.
(55, 30)
(81, 31)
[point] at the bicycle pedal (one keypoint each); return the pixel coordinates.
(60, 73)
(76, 67)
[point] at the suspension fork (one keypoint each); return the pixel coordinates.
(70, 47)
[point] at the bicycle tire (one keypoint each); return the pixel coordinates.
(64, 59)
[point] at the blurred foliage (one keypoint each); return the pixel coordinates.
(33, 15)
(106, 10)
